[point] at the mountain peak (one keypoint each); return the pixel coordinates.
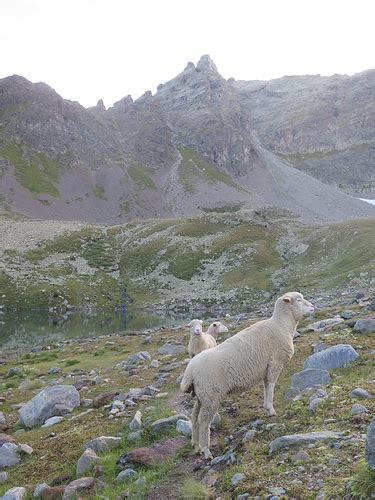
(205, 63)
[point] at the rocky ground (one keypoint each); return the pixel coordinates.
(122, 429)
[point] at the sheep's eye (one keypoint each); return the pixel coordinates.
(299, 299)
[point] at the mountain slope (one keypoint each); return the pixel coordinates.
(191, 148)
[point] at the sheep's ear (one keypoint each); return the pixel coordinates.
(286, 300)
(201, 322)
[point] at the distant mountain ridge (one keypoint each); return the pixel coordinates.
(201, 143)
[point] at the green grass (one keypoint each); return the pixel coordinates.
(363, 482)
(191, 488)
(37, 173)
(99, 192)
(142, 176)
(99, 253)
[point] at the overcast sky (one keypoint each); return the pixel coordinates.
(91, 49)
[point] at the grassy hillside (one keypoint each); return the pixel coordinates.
(238, 258)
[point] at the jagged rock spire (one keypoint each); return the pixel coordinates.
(205, 63)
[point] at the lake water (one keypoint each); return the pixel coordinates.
(33, 328)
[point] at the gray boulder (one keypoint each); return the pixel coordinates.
(140, 357)
(321, 325)
(171, 349)
(9, 455)
(50, 402)
(134, 436)
(370, 445)
(240, 476)
(184, 427)
(360, 393)
(83, 485)
(52, 421)
(365, 325)
(103, 444)
(294, 440)
(126, 474)
(86, 462)
(39, 488)
(310, 378)
(136, 423)
(333, 357)
(16, 493)
(358, 409)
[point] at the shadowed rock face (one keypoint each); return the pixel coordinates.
(201, 142)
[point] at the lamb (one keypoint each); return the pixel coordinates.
(257, 353)
(199, 340)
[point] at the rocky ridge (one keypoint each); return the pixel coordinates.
(200, 143)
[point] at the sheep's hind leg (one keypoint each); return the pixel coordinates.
(206, 414)
(195, 426)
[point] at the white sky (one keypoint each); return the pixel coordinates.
(91, 49)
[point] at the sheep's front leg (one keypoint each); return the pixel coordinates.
(273, 372)
(268, 398)
(206, 414)
(195, 426)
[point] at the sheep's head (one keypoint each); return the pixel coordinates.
(196, 326)
(216, 327)
(295, 302)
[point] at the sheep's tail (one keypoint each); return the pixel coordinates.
(187, 382)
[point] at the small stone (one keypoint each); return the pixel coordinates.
(126, 474)
(8, 455)
(333, 461)
(87, 403)
(82, 485)
(300, 469)
(52, 421)
(301, 456)
(314, 403)
(184, 427)
(53, 371)
(140, 357)
(25, 448)
(249, 436)
(150, 391)
(136, 422)
(133, 436)
(360, 393)
(5, 438)
(243, 496)
(103, 443)
(257, 423)
(237, 478)
(86, 462)
(16, 493)
(103, 399)
(3, 477)
(276, 490)
(39, 488)
(226, 459)
(215, 422)
(291, 393)
(171, 349)
(155, 363)
(162, 423)
(358, 409)
(141, 482)
(370, 445)
(13, 371)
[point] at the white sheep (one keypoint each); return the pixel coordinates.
(257, 353)
(200, 340)
(215, 328)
